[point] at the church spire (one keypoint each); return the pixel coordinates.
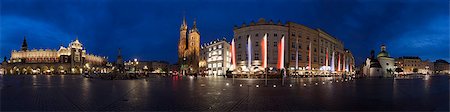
(194, 27)
(24, 44)
(183, 24)
(195, 24)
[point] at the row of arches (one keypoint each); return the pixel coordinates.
(52, 70)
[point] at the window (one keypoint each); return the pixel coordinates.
(210, 49)
(220, 46)
(256, 35)
(299, 56)
(275, 44)
(292, 56)
(220, 52)
(239, 45)
(239, 37)
(387, 64)
(315, 50)
(256, 43)
(275, 35)
(293, 45)
(219, 64)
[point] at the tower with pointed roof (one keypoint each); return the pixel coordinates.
(189, 48)
(24, 44)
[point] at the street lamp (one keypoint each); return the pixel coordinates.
(135, 63)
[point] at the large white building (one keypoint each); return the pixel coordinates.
(215, 57)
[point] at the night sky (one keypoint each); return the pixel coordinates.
(149, 29)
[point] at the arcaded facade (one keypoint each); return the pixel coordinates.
(70, 60)
(299, 50)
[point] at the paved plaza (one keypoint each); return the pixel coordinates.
(64, 93)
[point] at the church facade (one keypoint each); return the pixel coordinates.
(380, 66)
(66, 60)
(189, 49)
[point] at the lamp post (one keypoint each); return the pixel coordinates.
(135, 63)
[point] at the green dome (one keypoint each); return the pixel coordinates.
(383, 54)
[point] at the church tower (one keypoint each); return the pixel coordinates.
(24, 44)
(182, 43)
(189, 48)
(119, 60)
(194, 47)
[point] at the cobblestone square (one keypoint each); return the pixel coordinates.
(75, 93)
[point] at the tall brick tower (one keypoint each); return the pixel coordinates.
(188, 49)
(194, 48)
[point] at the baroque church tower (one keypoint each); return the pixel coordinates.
(189, 48)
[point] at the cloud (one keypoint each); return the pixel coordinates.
(39, 34)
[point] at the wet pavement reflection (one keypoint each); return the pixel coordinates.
(68, 92)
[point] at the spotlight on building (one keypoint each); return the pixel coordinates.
(290, 85)
(257, 86)
(304, 85)
(240, 85)
(323, 83)
(227, 84)
(316, 83)
(274, 86)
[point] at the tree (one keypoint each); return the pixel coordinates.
(415, 70)
(398, 70)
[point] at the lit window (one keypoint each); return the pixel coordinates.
(220, 46)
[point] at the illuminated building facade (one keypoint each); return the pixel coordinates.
(146, 67)
(441, 67)
(189, 49)
(413, 64)
(70, 60)
(297, 49)
(215, 57)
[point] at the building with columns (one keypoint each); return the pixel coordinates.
(189, 49)
(66, 60)
(299, 50)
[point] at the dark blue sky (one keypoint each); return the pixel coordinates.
(149, 29)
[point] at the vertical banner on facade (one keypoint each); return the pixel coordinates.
(264, 51)
(326, 60)
(332, 62)
(339, 62)
(296, 53)
(343, 62)
(309, 56)
(281, 54)
(233, 53)
(249, 52)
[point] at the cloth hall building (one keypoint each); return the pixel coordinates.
(66, 60)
